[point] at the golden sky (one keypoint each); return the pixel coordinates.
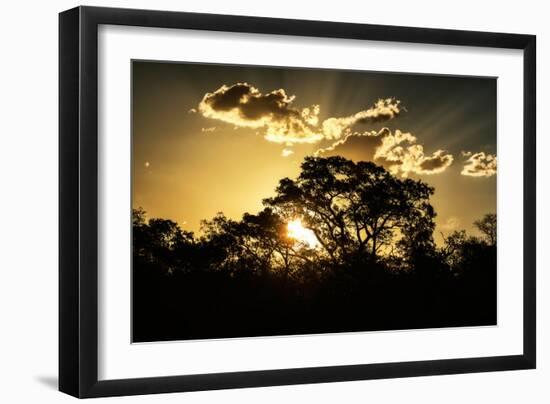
(210, 138)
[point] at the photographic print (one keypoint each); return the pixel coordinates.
(273, 201)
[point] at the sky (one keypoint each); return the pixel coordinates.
(208, 138)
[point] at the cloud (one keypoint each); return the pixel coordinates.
(274, 115)
(399, 152)
(479, 164)
(244, 106)
(436, 163)
(192, 111)
(210, 129)
(382, 110)
(311, 115)
(374, 136)
(287, 152)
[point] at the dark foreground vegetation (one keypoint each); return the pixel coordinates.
(374, 265)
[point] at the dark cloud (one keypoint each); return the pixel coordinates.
(245, 106)
(439, 160)
(383, 110)
(250, 103)
(479, 164)
(397, 151)
(355, 145)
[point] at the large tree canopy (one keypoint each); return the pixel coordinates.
(356, 208)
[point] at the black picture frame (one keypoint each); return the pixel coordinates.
(78, 201)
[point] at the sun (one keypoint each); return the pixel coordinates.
(298, 232)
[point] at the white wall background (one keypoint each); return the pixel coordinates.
(28, 201)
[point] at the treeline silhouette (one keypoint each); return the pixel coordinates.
(374, 265)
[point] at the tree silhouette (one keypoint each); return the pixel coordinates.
(355, 208)
(259, 242)
(375, 267)
(488, 227)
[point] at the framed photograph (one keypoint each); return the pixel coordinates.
(250, 201)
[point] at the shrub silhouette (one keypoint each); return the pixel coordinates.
(376, 266)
